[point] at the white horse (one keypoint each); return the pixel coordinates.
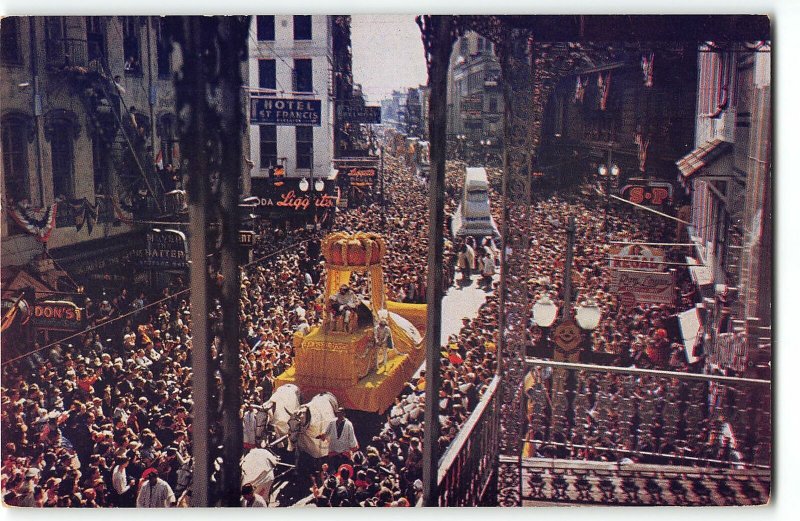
(309, 421)
(278, 409)
(258, 469)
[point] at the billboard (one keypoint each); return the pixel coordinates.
(642, 287)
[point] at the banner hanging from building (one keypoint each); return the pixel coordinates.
(355, 113)
(285, 112)
(57, 315)
(643, 287)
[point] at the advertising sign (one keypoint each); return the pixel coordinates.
(285, 111)
(354, 113)
(637, 257)
(57, 315)
(288, 196)
(647, 193)
(247, 238)
(643, 287)
(166, 249)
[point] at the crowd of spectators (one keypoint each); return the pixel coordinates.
(85, 420)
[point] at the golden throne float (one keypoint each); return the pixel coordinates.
(342, 359)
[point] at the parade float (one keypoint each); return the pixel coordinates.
(341, 358)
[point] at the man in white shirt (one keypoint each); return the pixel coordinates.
(155, 492)
(341, 440)
(123, 487)
(250, 499)
(250, 430)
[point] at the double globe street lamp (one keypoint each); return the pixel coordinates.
(319, 186)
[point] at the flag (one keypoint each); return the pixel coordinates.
(160, 160)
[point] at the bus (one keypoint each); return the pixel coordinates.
(473, 215)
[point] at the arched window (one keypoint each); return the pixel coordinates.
(15, 132)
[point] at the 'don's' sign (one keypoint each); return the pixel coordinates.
(57, 315)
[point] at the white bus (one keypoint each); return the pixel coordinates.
(473, 215)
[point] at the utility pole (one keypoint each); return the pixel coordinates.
(567, 307)
(438, 36)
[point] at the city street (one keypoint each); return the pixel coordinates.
(217, 234)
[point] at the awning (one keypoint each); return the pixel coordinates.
(690, 331)
(702, 156)
(702, 275)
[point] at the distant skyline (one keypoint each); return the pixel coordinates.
(387, 54)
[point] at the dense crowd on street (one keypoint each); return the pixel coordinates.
(105, 418)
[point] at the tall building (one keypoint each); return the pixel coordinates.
(88, 141)
(629, 113)
(475, 99)
(728, 177)
(290, 58)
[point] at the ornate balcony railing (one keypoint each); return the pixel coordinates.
(467, 469)
(558, 481)
(593, 412)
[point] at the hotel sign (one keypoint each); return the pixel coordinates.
(285, 112)
(353, 113)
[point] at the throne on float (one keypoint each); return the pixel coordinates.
(339, 357)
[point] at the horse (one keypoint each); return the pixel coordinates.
(278, 409)
(310, 420)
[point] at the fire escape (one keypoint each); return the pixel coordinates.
(121, 134)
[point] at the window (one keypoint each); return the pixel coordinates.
(54, 34)
(302, 76)
(95, 39)
(265, 28)
(169, 141)
(464, 47)
(163, 49)
(481, 42)
(130, 44)
(266, 74)
(15, 158)
(492, 105)
(268, 138)
(305, 147)
(302, 27)
(62, 159)
(10, 52)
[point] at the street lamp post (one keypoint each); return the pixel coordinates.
(567, 334)
(608, 170)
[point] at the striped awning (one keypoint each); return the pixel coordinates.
(702, 156)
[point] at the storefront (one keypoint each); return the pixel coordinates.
(358, 179)
(295, 202)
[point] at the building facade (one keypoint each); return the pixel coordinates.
(291, 57)
(88, 130)
(728, 177)
(475, 100)
(628, 113)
